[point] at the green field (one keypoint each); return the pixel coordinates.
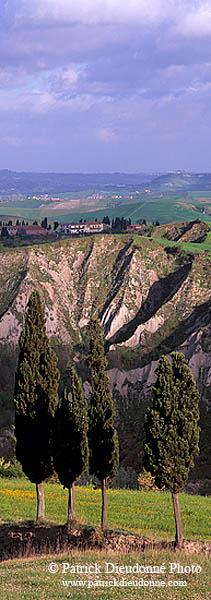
(188, 246)
(148, 513)
(170, 197)
(166, 207)
(165, 210)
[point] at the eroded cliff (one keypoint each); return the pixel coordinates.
(150, 300)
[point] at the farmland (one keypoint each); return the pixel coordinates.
(165, 208)
(69, 197)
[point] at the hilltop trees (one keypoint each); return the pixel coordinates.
(119, 225)
(70, 446)
(103, 440)
(4, 233)
(35, 399)
(44, 223)
(172, 431)
(106, 220)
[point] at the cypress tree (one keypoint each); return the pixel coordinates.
(35, 399)
(103, 440)
(70, 447)
(172, 432)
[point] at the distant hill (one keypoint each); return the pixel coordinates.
(12, 182)
(179, 180)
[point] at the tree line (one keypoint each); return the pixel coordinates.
(65, 435)
(62, 435)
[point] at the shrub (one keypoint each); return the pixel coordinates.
(126, 478)
(11, 469)
(87, 480)
(146, 481)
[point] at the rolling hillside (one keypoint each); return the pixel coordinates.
(179, 180)
(64, 197)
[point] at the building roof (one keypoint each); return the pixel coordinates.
(84, 224)
(24, 227)
(31, 227)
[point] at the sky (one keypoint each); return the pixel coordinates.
(105, 85)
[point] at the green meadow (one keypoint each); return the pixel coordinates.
(146, 513)
(188, 246)
(193, 247)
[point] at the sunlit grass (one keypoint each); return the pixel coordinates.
(146, 513)
(187, 246)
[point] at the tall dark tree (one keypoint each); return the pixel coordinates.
(130, 412)
(44, 223)
(172, 432)
(35, 399)
(103, 440)
(4, 233)
(106, 220)
(70, 447)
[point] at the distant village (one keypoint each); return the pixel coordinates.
(22, 230)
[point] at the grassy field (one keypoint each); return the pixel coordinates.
(188, 246)
(147, 513)
(31, 578)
